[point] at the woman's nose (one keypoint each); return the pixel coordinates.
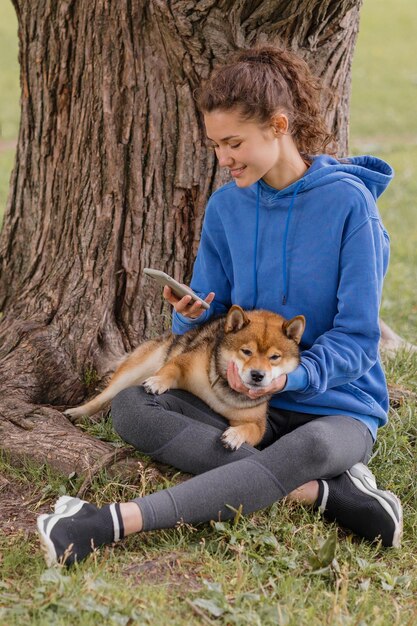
(224, 158)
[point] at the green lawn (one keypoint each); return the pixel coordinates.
(384, 123)
(259, 571)
(9, 96)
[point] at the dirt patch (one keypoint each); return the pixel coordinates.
(173, 569)
(18, 505)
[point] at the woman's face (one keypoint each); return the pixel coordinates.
(247, 149)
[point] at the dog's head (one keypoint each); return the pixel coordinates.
(263, 344)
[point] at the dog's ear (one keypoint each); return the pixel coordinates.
(236, 319)
(294, 328)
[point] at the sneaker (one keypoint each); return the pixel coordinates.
(77, 528)
(355, 502)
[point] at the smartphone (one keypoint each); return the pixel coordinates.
(179, 290)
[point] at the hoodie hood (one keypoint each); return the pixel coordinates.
(372, 172)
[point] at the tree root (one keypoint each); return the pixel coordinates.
(111, 458)
(391, 342)
(44, 435)
(398, 395)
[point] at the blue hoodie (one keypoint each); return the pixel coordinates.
(317, 248)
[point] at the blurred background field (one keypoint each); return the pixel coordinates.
(9, 96)
(384, 123)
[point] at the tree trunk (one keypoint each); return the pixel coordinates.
(112, 175)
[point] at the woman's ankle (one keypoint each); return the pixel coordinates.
(132, 518)
(306, 494)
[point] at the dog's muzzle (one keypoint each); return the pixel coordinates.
(257, 377)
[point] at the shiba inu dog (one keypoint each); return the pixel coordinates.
(262, 344)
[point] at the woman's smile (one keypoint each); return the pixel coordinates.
(237, 171)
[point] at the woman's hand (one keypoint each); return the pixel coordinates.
(235, 382)
(183, 306)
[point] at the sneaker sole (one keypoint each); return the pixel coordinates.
(64, 507)
(389, 502)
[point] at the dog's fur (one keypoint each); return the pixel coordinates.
(262, 344)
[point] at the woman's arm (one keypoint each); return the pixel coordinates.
(348, 350)
(209, 275)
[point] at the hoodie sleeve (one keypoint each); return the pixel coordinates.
(209, 273)
(347, 351)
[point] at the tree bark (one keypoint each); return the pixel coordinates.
(112, 175)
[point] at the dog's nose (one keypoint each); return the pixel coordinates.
(257, 376)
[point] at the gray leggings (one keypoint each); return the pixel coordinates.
(181, 430)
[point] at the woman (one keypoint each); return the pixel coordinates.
(296, 232)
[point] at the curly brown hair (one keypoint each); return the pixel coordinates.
(265, 80)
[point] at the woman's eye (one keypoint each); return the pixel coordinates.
(275, 357)
(236, 145)
(246, 352)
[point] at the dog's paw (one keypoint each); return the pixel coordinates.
(75, 412)
(232, 438)
(155, 384)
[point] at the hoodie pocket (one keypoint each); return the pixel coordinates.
(359, 394)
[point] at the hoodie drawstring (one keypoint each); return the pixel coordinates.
(255, 254)
(284, 243)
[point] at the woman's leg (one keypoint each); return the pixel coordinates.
(346, 491)
(176, 428)
(322, 448)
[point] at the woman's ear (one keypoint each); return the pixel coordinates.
(280, 124)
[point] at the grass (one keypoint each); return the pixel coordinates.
(267, 568)
(383, 122)
(9, 99)
(262, 569)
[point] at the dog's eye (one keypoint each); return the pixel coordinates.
(275, 357)
(246, 352)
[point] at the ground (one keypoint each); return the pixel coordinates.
(19, 506)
